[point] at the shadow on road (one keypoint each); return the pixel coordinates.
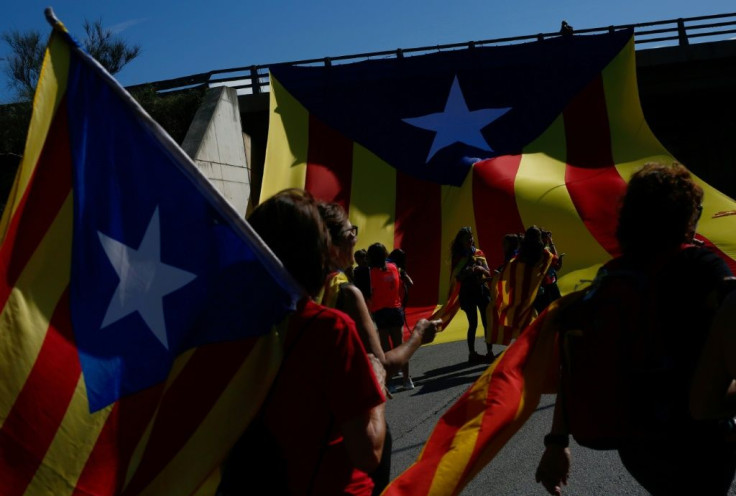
(448, 377)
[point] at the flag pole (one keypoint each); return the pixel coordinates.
(51, 18)
(241, 227)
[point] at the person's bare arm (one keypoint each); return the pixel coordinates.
(554, 466)
(482, 269)
(424, 332)
(713, 389)
(365, 434)
(407, 279)
(357, 309)
(393, 360)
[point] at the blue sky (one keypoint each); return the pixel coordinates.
(182, 38)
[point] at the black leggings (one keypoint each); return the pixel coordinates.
(472, 312)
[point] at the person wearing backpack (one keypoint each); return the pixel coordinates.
(636, 372)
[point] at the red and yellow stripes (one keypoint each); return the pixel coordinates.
(513, 291)
(591, 177)
(568, 180)
(53, 78)
(480, 423)
(390, 207)
(38, 359)
(158, 441)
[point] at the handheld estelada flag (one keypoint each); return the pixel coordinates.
(137, 308)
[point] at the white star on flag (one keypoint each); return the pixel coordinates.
(144, 280)
(457, 124)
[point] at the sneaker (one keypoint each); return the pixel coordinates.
(408, 383)
(391, 388)
(489, 358)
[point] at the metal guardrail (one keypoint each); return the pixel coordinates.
(254, 79)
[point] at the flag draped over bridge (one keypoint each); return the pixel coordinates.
(497, 138)
(136, 308)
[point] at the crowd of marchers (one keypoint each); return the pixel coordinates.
(673, 383)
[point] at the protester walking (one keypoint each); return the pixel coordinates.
(470, 270)
(642, 371)
(339, 292)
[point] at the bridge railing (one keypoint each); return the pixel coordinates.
(254, 79)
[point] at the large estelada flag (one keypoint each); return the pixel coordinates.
(496, 138)
(136, 308)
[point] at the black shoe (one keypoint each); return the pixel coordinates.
(475, 357)
(489, 358)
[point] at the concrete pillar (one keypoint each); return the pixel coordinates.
(215, 142)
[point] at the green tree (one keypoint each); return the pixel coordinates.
(109, 50)
(24, 61)
(27, 50)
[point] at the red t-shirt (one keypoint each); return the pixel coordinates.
(326, 379)
(385, 288)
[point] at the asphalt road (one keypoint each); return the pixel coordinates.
(441, 375)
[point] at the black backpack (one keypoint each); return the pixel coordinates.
(613, 364)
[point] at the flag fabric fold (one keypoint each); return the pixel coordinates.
(513, 291)
(495, 138)
(474, 429)
(137, 310)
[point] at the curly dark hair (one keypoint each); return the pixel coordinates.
(290, 224)
(659, 211)
(335, 218)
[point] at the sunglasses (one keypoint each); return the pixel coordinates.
(351, 232)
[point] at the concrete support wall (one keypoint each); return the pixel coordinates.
(216, 143)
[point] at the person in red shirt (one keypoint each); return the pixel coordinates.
(385, 303)
(340, 292)
(325, 410)
(398, 257)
